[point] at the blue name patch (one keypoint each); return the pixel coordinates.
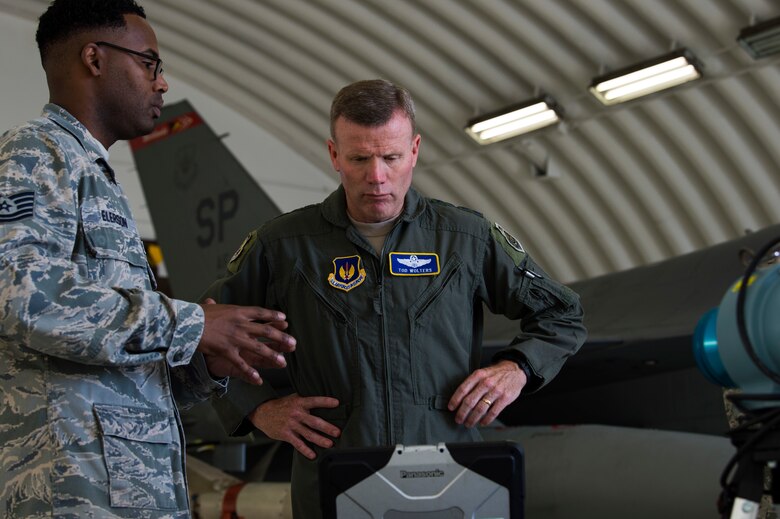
(414, 264)
(17, 206)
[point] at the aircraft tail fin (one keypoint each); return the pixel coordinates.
(202, 201)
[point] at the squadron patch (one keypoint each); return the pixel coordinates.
(17, 206)
(414, 264)
(511, 240)
(238, 257)
(509, 243)
(347, 273)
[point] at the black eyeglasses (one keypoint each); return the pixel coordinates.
(158, 70)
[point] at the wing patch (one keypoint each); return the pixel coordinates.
(414, 264)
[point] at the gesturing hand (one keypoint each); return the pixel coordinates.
(232, 336)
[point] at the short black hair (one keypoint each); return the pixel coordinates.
(371, 103)
(64, 18)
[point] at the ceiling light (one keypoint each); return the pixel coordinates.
(514, 120)
(646, 78)
(762, 39)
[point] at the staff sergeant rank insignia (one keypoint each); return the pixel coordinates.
(17, 206)
(414, 264)
(347, 273)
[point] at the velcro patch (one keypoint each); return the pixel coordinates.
(347, 273)
(414, 264)
(234, 265)
(509, 243)
(17, 206)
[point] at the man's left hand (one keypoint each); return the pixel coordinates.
(220, 367)
(486, 392)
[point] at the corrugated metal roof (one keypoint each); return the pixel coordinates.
(623, 186)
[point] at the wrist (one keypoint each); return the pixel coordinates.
(516, 357)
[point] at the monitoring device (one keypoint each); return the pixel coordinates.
(483, 480)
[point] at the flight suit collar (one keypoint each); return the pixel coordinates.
(334, 208)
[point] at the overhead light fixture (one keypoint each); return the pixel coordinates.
(762, 39)
(514, 120)
(646, 78)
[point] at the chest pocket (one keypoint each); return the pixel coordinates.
(327, 356)
(433, 293)
(138, 449)
(441, 335)
(114, 252)
(338, 311)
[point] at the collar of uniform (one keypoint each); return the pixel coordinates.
(96, 151)
(334, 208)
(70, 124)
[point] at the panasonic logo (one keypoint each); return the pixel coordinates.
(422, 473)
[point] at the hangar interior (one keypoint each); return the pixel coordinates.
(608, 188)
(605, 190)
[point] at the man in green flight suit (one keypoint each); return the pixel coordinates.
(384, 289)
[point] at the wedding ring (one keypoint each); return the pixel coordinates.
(488, 402)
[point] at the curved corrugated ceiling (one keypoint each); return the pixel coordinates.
(624, 186)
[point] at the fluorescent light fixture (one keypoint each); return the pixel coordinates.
(762, 39)
(646, 78)
(514, 120)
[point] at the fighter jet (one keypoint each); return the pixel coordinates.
(629, 428)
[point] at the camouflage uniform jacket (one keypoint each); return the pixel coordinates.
(392, 335)
(90, 355)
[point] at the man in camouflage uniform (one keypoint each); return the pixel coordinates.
(91, 357)
(384, 291)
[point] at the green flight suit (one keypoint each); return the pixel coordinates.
(392, 347)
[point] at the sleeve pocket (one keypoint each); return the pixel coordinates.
(138, 449)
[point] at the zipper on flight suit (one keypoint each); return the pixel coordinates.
(386, 354)
(379, 307)
(380, 304)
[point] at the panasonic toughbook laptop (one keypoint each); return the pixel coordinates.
(446, 481)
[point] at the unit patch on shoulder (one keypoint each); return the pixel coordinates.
(414, 264)
(511, 240)
(509, 243)
(347, 273)
(17, 206)
(238, 257)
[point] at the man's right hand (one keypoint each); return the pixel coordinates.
(231, 337)
(289, 419)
